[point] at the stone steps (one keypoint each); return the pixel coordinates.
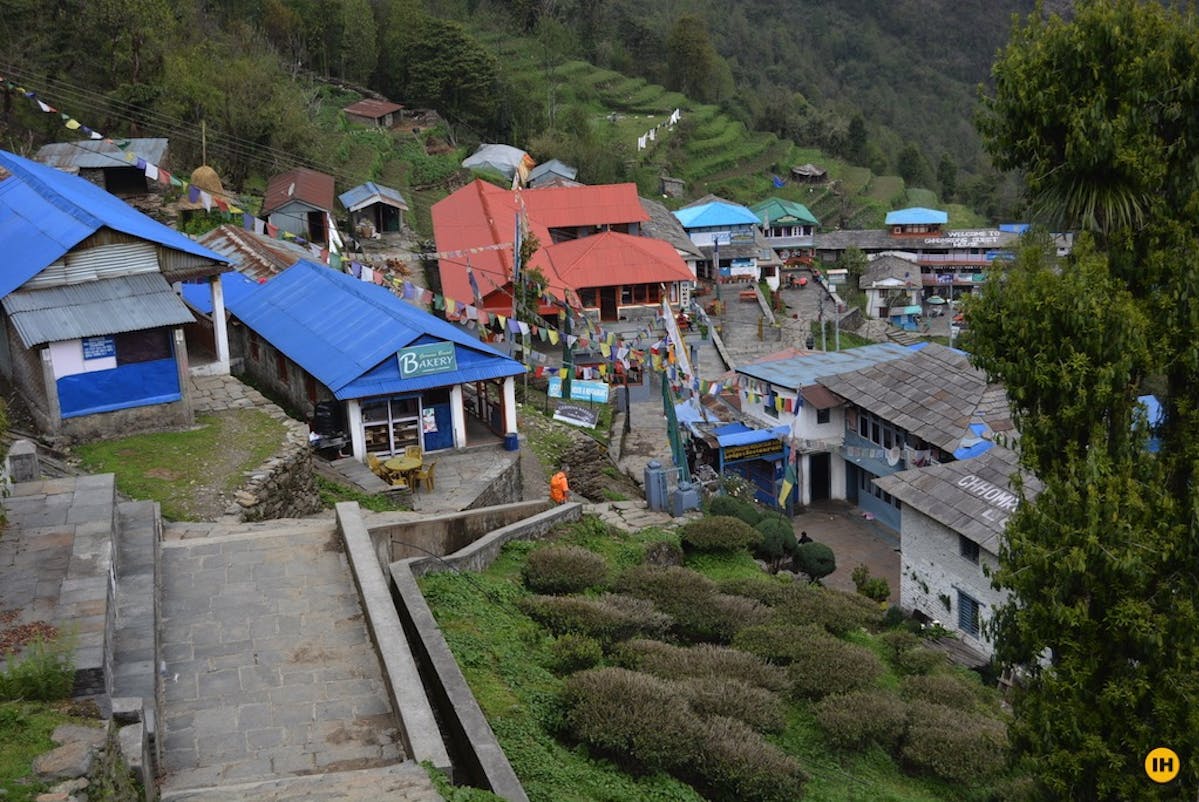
(133, 674)
(400, 782)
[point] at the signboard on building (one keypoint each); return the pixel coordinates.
(101, 347)
(580, 390)
(576, 415)
(423, 360)
(753, 450)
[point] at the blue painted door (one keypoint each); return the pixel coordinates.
(443, 435)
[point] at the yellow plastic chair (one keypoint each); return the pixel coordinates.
(413, 451)
(425, 474)
(376, 466)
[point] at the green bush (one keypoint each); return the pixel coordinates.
(777, 644)
(767, 590)
(778, 539)
(899, 641)
(739, 765)
(921, 660)
(609, 618)
(571, 653)
(719, 533)
(835, 610)
(952, 744)
(563, 569)
(734, 508)
(43, 673)
(734, 698)
(633, 716)
(663, 553)
(704, 660)
(959, 690)
(690, 598)
(814, 560)
(825, 666)
(874, 588)
(857, 719)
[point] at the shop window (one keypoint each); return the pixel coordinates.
(968, 548)
(823, 415)
(391, 424)
(969, 618)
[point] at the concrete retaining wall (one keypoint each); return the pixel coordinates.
(418, 725)
(443, 534)
(504, 489)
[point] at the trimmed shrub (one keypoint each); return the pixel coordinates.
(766, 590)
(835, 610)
(959, 690)
(573, 653)
(734, 508)
(563, 569)
(874, 588)
(899, 641)
(663, 553)
(857, 719)
(719, 533)
(814, 560)
(690, 598)
(670, 662)
(734, 698)
(778, 644)
(633, 716)
(921, 660)
(609, 618)
(778, 539)
(739, 765)
(826, 666)
(952, 744)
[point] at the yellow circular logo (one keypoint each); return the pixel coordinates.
(1162, 765)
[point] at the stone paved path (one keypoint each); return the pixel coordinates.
(633, 516)
(269, 669)
(403, 782)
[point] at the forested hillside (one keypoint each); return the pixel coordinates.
(882, 94)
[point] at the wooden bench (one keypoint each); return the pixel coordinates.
(748, 295)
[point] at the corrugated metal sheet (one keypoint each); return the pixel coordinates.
(105, 261)
(90, 154)
(44, 213)
(374, 109)
(302, 184)
(916, 215)
(255, 255)
(365, 194)
(715, 214)
(108, 306)
(342, 331)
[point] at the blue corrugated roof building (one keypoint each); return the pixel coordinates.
(370, 192)
(917, 215)
(716, 214)
(801, 371)
(346, 333)
(44, 213)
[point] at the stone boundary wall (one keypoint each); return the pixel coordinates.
(504, 489)
(418, 724)
(285, 485)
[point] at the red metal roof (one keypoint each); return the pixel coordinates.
(309, 186)
(611, 258)
(481, 214)
(374, 109)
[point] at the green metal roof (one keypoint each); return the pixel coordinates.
(777, 210)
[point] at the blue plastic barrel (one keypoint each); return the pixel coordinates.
(511, 442)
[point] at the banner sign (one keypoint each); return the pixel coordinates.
(101, 347)
(576, 415)
(423, 360)
(580, 390)
(752, 450)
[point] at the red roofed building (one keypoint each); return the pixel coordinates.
(300, 201)
(382, 113)
(590, 246)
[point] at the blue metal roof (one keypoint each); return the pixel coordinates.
(346, 333)
(44, 213)
(917, 215)
(361, 195)
(807, 369)
(235, 286)
(716, 214)
(743, 438)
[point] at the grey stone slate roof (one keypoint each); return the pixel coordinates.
(973, 497)
(935, 394)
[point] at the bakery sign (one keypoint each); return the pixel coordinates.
(423, 360)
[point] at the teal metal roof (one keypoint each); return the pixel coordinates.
(716, 214)
(346, 333)
(778, 209)
(44, 213)
(805, 369)
(917, 215)
(368, 193)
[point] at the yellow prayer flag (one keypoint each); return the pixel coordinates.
(73, 124)
(554, 336)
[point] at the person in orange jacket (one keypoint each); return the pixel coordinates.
(559, 486)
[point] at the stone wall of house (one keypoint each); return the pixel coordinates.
(506, 488)
(104, 425)
(291, 385)
(285, 485)
(933, 570)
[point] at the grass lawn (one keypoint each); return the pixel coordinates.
(25, 729)
(507, 660)
(187, 471)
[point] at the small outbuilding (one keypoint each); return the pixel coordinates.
(300, 201)
(374, 209)
(809, 174)
(119, 170)
(369, 111)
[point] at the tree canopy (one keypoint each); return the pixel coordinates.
(1100, 113)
